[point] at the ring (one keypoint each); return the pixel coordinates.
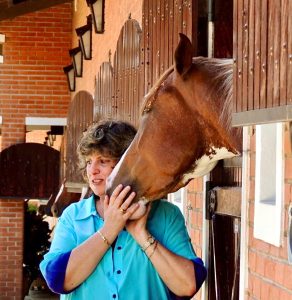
(122, 210)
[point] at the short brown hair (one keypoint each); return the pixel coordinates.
(109, 138)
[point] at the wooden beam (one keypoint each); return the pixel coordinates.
(228, 201)
(28, 7)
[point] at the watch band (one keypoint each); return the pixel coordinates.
(150, 241)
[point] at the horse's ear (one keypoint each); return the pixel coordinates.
(183, 54)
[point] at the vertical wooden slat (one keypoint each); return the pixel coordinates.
(192, 22)
(263, 82)
(170, 31)
(119, 82)
(114, 90)
(155, 37)
(150, 46)
(239, 55)
(235, 54)
(270, 52)
(250, 70)
(284, 52)
(276, 59)
(122, 60)
(289, 65)
(257, 54)
(130, 70)
(179, 22)
(126, 70)
(176, 4)
(163, 38)
(132, 74)
(245, 55)
(185, 17)
(141, 70)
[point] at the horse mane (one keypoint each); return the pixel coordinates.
(220, 72)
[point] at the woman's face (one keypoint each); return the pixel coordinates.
(98, 168)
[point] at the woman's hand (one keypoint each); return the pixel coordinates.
(137, 228)
(117, 210)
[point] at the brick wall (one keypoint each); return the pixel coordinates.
(193, 212)
(32, 82)
(11, 248)
(115, 17)
(269, 274)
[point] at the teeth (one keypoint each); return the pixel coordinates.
(97, 180)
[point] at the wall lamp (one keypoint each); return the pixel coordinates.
(70, 73)
(97, 11)
(77, 58)
(85, 37)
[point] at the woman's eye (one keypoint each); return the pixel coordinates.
(104, 161)
(88, 162)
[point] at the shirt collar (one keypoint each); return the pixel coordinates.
(87, 208)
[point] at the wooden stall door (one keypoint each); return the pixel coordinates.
(29, 170)
(80, 116)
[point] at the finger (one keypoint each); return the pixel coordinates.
(128, 201)
(115, 193)
(131, 210)
(106, 202)
(122, 195)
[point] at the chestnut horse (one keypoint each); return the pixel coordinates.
(185, 127)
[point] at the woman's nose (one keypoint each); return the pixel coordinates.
(94, 168)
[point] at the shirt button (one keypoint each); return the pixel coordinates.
(119, 271)
(119, 248)
(114, 296)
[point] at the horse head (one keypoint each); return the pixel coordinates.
(185, 127)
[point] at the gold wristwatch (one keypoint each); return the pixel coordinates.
(150, 241)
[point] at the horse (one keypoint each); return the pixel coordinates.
(58, 203)
(184, 128)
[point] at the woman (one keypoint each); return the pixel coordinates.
(98, 253)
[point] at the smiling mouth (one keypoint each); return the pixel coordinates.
(97, 181)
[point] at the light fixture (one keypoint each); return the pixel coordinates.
(77, 58)
(70, 73)
(85, 37)
(97, 11)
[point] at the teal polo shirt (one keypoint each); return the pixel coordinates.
(124, 272)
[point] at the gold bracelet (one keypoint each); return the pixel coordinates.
(105, 240)
(154, 248)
